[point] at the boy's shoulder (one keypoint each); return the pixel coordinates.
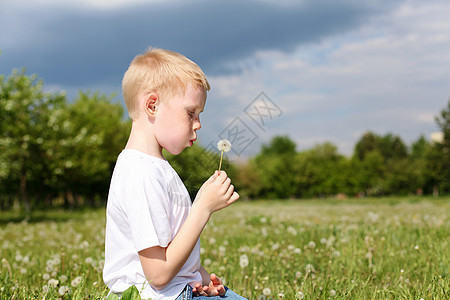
(133, 164)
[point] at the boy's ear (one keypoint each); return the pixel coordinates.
(151, 104)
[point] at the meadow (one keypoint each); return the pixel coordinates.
(383, 248)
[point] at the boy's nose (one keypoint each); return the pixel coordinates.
(197, 125)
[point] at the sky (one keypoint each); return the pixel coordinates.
(316, 71)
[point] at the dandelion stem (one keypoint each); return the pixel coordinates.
(6, 263)
(220, 164)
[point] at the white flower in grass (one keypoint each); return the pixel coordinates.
(63, 278)
(275, 246)
(310, 268)
(266, 292)
(76, 281)
(336, 253)
(311, 245)
(332, 293)
(63, 290)
(53, 282)
(301, 295)
(46, 276)
(89, 260)
(243, 260)
(207, 262)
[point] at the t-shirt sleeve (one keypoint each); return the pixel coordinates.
(148, 212)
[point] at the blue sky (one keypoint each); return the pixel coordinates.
(330, 70)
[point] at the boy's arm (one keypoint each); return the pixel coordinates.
(161, 265)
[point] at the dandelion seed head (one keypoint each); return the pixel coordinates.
(336, 253)
(309, 268)
(224, 145)
(63, 290)
(53, 282)
(311, 245)
(76, 281)
(89, 260)
(275, 246)
(266, 292)
(332, 293)
(243, 260)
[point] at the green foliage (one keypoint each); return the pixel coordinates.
(91, 134)
(25, 110)
(440, 155)
(51, 148)
(131, 293)
(381, 165)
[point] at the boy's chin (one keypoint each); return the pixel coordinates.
(175, 151)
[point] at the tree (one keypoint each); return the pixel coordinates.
(89, 134)
(274, 169)
(439, 156)
(24, 112)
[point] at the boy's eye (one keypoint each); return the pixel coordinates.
(191, 114)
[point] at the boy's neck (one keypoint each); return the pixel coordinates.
(142, 139)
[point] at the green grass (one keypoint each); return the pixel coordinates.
(388, 248)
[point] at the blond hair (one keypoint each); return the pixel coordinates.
(162, 71)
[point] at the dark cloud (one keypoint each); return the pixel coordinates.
(78, 47)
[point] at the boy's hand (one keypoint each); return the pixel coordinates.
(216, 193)
(215, 288)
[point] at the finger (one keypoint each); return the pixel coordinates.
(233, 198)
(214, 279)
(214, 176)
(221, 290)
(225, 185)
(222, 177)
(230, 191)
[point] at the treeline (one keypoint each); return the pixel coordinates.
(55, 152)
(380, 165)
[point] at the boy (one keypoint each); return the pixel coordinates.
(152, 231)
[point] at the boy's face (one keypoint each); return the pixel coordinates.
(177, 120)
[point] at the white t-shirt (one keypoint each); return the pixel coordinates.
(147, 205)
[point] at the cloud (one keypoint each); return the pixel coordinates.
(389, 75)
(336, 68)
(77, 45)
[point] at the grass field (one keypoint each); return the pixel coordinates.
(389, 248)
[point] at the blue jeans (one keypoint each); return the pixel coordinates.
(186, 294)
